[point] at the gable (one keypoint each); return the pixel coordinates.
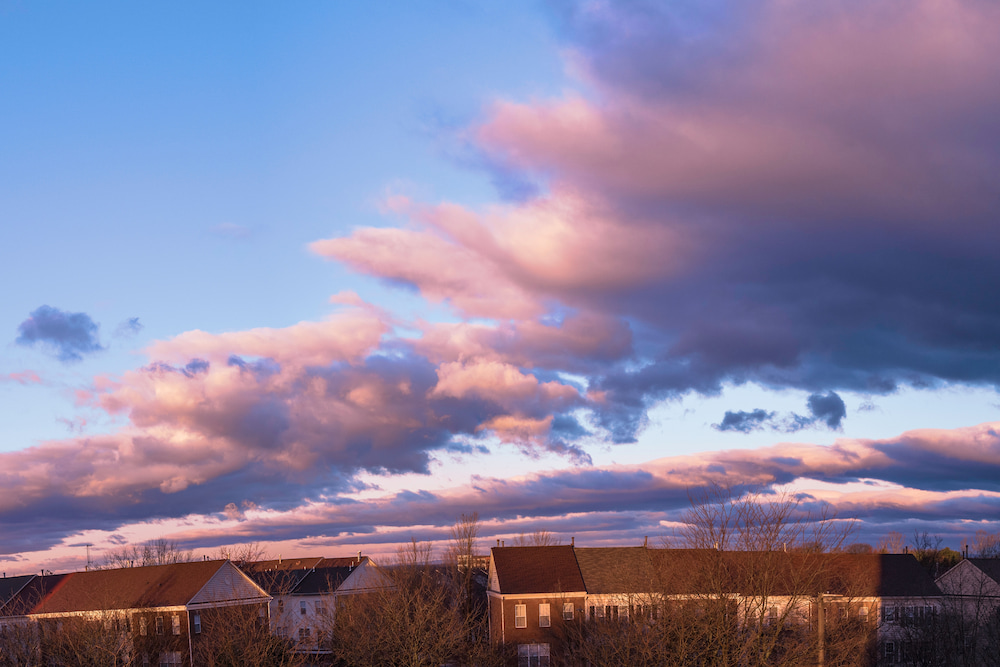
(364, 577)
(968, 578)
(228, 585)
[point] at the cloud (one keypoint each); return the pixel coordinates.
(129, 327)
(744, 422)
(798, 196)
(22, 378)
(828, 408)
(69, 335)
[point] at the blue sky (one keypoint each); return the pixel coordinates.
(389, 253)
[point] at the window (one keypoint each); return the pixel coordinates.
(863, 613)
(319, 607)
(196, 622)
(533, 655)
(302, 608)
(520, 616)
(544, 618)
(568, 611)
(145, 660)
(281, 606)
(611, 611)
(159, 625)
(772, 614)
(175, 624)
(889, 651)
(170, 658)
(303, 634)
(282, 632)
(889, 614)
(142, 627)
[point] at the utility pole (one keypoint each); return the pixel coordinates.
(821, 629)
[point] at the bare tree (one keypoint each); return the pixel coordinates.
(239, 636)
(152, 552)
(417, 619)
(891, 543)
(243, 553)
(20, 644)
(985, 545)
(539, 538)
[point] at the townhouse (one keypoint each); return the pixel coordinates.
(882, 596)
(305, 593)
(158, 615)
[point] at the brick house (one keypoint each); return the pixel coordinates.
(158, 615)
(532, 592)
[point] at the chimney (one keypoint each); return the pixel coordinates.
(498, 541)
(359, 558)
(572, 541)
(645, 541)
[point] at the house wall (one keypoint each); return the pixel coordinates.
(305, 629)
(502, 618)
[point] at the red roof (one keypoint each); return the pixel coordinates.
(523, 570)
(171, 585)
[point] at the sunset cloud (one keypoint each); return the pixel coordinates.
(785, 197)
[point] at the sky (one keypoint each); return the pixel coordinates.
(326, 276)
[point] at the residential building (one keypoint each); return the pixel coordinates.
(158, 615)
(306, 592)
(884, 597)
(532, 592)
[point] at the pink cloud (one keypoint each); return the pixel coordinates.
(500, 382)
(22, 377)
(345, 336)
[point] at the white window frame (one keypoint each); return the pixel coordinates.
(302, 607)
(533, 655)
(544, 615)
(196, 622)
(175, 624)
(568, 611)
(520, 616)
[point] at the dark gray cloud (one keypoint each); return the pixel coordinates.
(744, 422)
(69, 335)
(827, 408)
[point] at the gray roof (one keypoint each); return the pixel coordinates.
(9, 586)
(616, 570)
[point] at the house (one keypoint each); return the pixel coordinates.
(306, 592)
(881, 598)
(621, 582)
(159, 615)
(532, 592)
(10, 586)
(972, 602)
